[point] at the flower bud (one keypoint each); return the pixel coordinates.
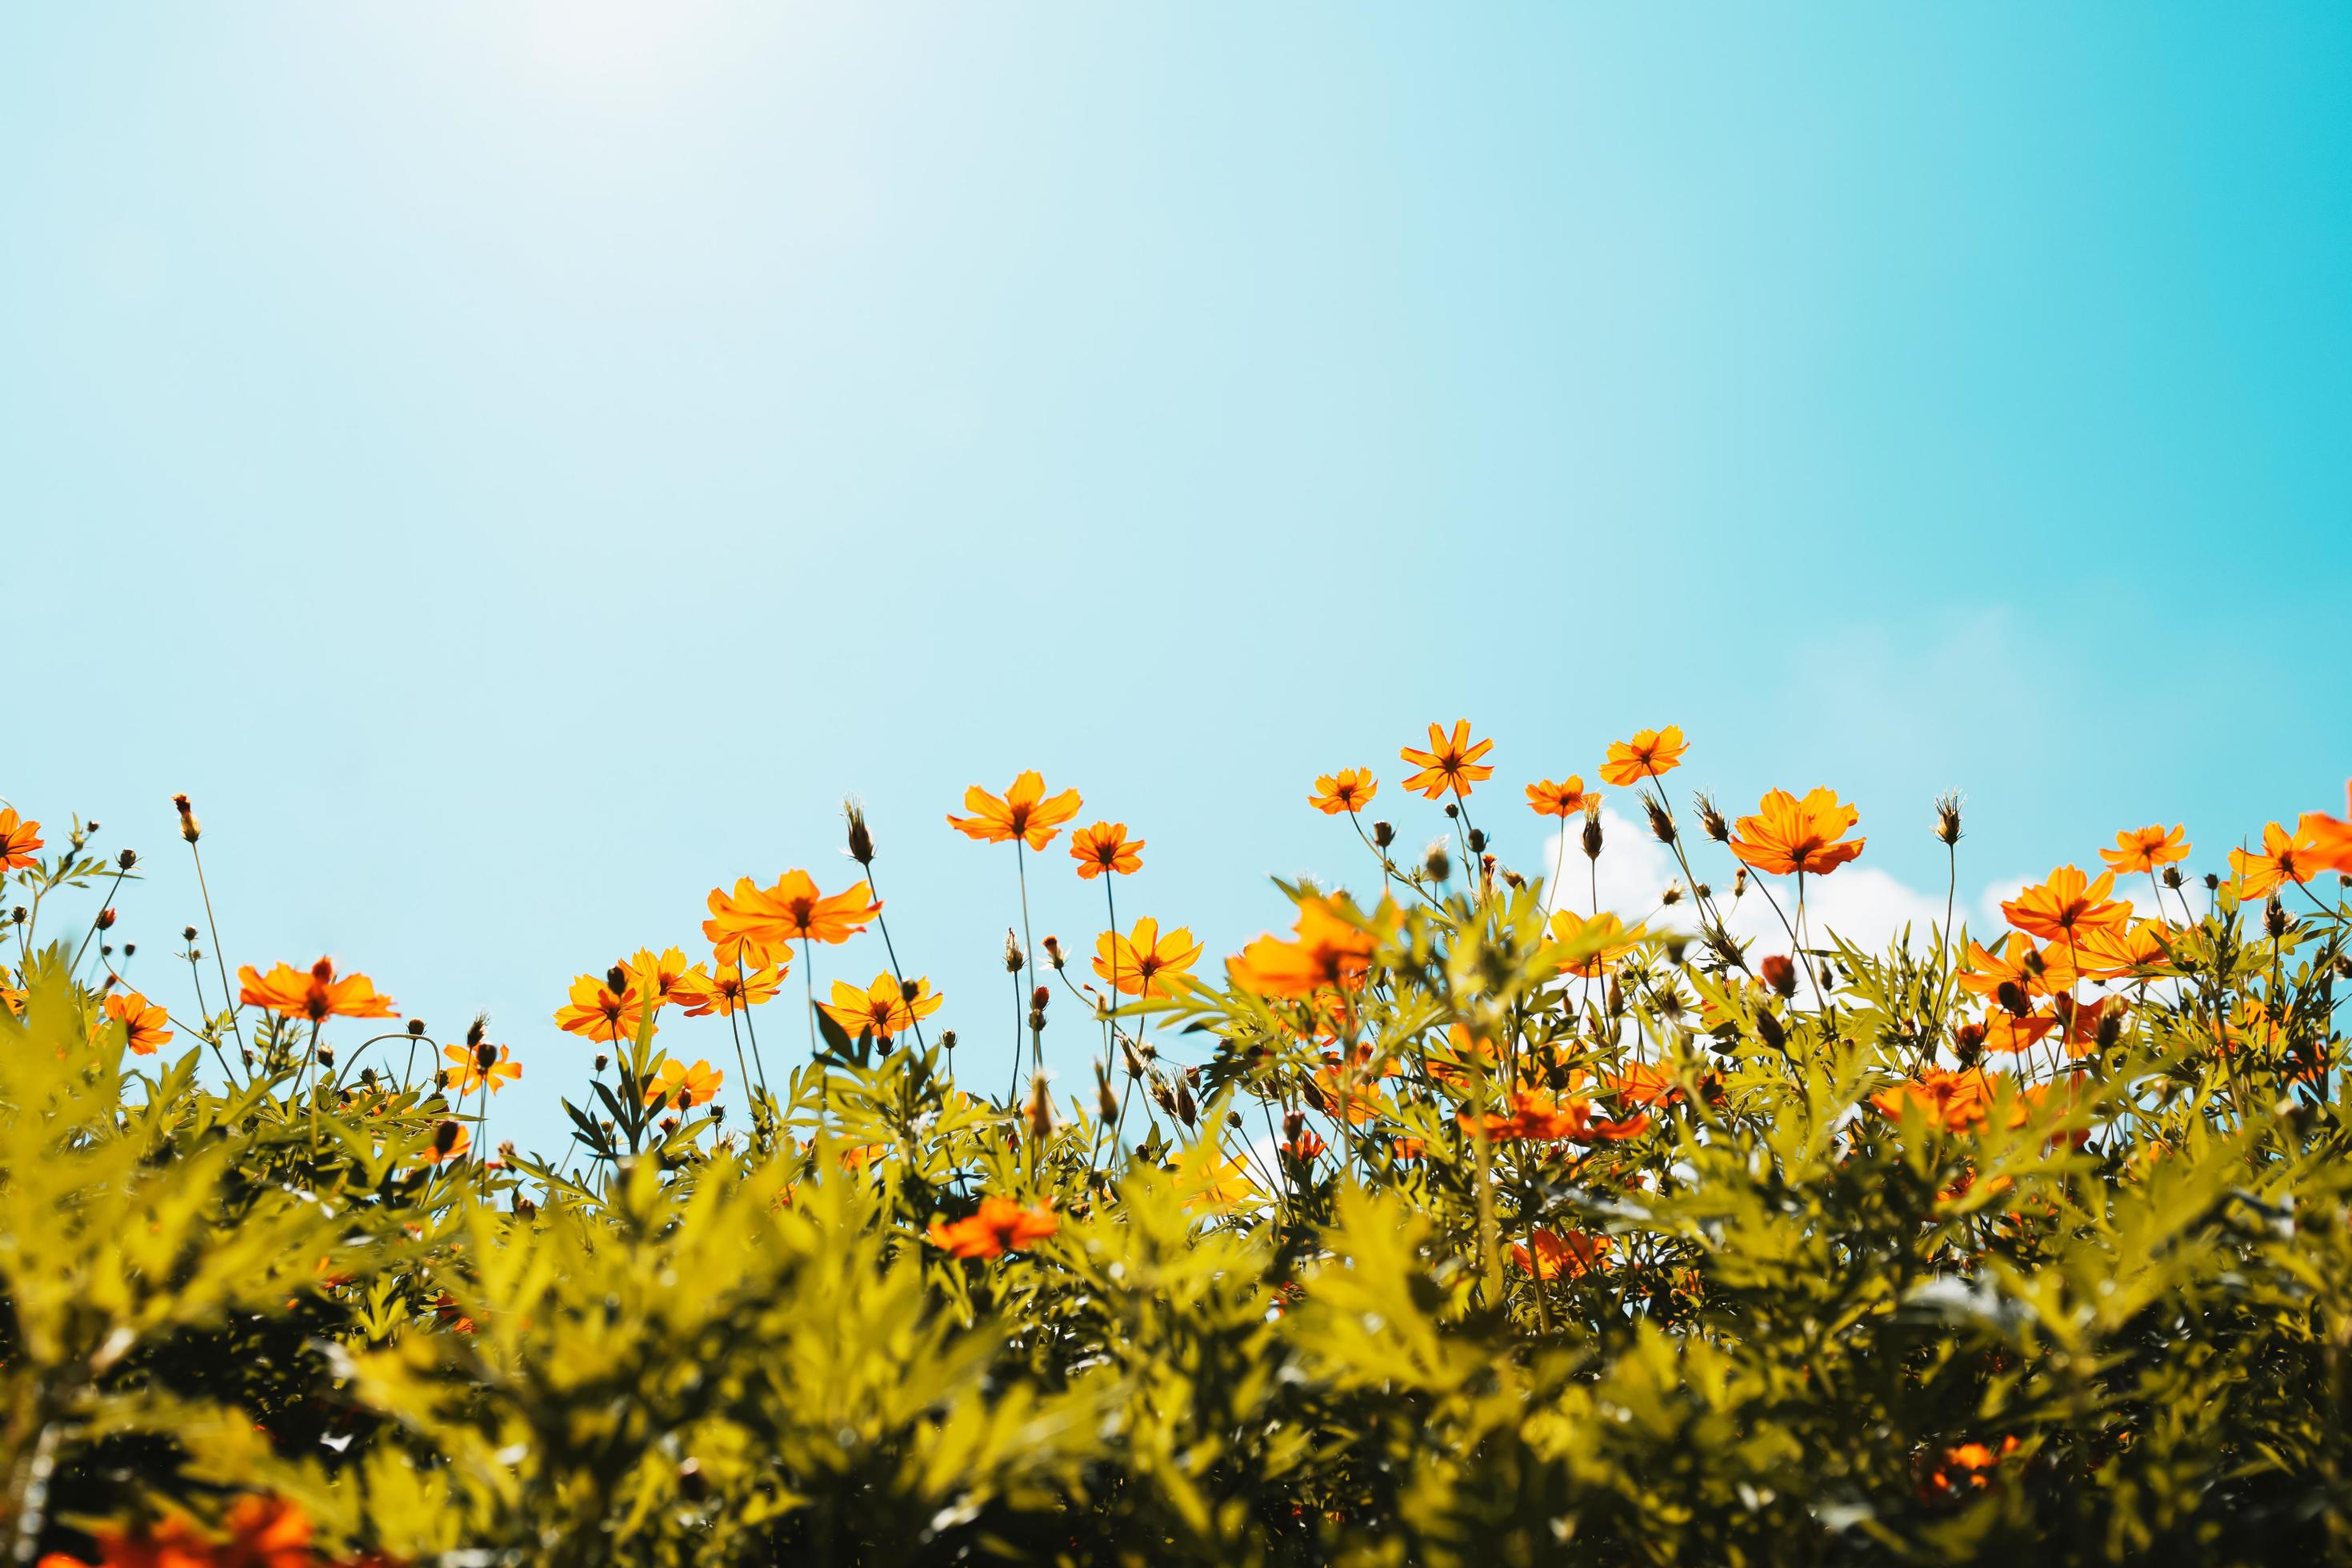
(106, 920)
(948, 1041)
(1453, 810)
(480, 1028)
(1053, 946)
(1105, 1101)
(1435, 864)
(445, 1137)
(190, 829)
(1948, 818)
(1039, 997)
(327, 1057)
(1185, 1109)
(1383, 833)
(2011, 995)
(1233, 1119)
(126, 859)
(187, 933)
(1711, 821)
(1477, 840)
(861, 841)
(616, 980)
(1779, 974)
(1661, 826)
(1967, 1043)
(2172, 878)
(1769, 1030)
(1013, 959)
(2274, 920)
(485, 1056)
(602, 1061)
(1038, 1112)
(1591, 836)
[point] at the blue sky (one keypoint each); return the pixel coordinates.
(520, 466)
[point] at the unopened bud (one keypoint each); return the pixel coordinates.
(326, 1055)
(1013, 959)
(1233, 1119)
(106, 920)
(187, 933)
(1948, 818)
(1435, 864)
(128, 858)
(2172, 878)
(2274, 918)
(1710, 820)
(478, 1029)
(1477, 840)
(602, 1061)
(1038, 1112)
(2011, 995)
(445, 1137)
(861, 841)
(1779, 974)
(1383, 833)
(1185, 1109)
(1105, 1101)
(1591, 836)
(190, 829)
(1053, 946)
(1967, 1043)
(1769, 1030)
(1661, 826)
(416, 1027)
(616, 980)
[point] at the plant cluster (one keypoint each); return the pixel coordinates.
(1467, 1223)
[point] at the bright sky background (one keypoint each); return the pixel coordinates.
(518, 465)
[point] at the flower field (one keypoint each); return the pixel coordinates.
(1466, 1221)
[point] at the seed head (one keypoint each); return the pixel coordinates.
(1948, 818)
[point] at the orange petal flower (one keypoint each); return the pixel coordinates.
(1103, 848)
(2331, 837)
(1349, 789)
(466, 1073)
(316, 995)
(1000, 1227)
(674, 1083)
(882, 1006)
(762, 924)
(656, 978)
(1539, 1115)
(1560, 1256)
(1563, 798)
(1450, 764)
(2016, 963)
(599, 1013)
(18, 839)
(1790, 835)
(2145, 848)
(1645, 756)
(1024, 813)
(1593, 943)
(726, 993)
(2067, 902)
(2007, 1034)
(2111, 952)
(1329, 952)
(2285, 857)
(145, 1026)
(1956, 1101)
(1144, 962)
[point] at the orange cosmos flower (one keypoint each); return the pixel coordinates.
(762, 924)
(727, 993)
(685, 1087)
(600, 1013)
(18, 839)
(1539, 1115)
(466, 1073)
(1641, 1083)
(1985, 972)
(2006, 1034)
(658, 979)
(316, 995)
(2145, 848)
(1331, 951)
(1103, 848)
(452, 1140)
(264, 1533)
(1565, 798)
(2067, 902)
(1145, 964)
(1000, 1227)
(1559, 1257)
(2285, 857)
(1450, 764)
(2110, 953)
(2331, 837)
(1593, 943)
(13, 1000)
(144, 1022)
(1791, 835)
(1965, 1467)
(882, 1006)
(1645, 756)
(1956, 1101)
(1024, 813)
(1350, 790)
